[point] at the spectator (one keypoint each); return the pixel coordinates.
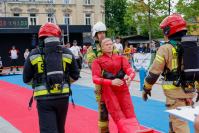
(133, 50)
(1, 65)
(84, 51)
(146, 48)
(140, 49)
(153, 47)
(127, 52)
(118, 45)
(76, 52)
(14, 55)
(26, 53)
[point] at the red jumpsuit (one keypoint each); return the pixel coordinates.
(117, 99)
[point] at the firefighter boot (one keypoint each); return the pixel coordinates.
(103, 126)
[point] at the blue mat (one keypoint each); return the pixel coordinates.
(150, 114)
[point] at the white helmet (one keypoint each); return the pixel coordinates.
(98, 27)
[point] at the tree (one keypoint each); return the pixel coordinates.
(138, 16)
(190, 11)
(114, 17)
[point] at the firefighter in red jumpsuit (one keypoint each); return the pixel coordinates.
(108, 71)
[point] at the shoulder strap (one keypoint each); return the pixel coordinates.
(42, 53)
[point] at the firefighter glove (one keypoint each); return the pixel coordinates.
(146, 93)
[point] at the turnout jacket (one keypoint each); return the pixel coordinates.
(166, 57)
(34, 72)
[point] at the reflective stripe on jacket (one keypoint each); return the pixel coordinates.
(41, 89)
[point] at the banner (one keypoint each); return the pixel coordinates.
(142, 60)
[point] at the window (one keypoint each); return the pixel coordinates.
(16, 15)
(33, 19)
(50, 18)
(67, 1)
(87, 2)
(88, 19)
(67, 19)
(51, 1)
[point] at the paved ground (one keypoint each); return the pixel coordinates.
(6, 127)
(86, 80)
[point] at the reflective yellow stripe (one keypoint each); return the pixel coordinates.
(174, 60)
(64, 65)
(40, 67)
(54, 91)
(159, 58)
(67, 60)
(39, 61)
(147, 85)
(102, 124)
(169, 87)
(36, 60)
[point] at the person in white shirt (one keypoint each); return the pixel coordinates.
(118, 46)
(14, 54)
(76, 52)
(26, 53)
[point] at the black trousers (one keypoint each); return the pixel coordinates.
(79, 63)
(52, 115)
(14, 62)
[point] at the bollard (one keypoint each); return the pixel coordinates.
(142, 73)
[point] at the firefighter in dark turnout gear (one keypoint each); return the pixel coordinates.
(166, 64)
(50, 69)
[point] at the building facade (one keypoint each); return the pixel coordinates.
(72, 12)
(75, 17)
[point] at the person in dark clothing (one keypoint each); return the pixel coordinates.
(1, 66)
(51, 68)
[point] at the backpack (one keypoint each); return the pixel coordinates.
(53, 65)
(189, 58)
(188, 62)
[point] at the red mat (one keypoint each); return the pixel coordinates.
(14, 108)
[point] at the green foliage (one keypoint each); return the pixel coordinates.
(137, 14)
(114, 17)
(127, 17)
(190, 11)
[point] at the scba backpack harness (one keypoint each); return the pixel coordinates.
(187, 70)
(54, 70)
